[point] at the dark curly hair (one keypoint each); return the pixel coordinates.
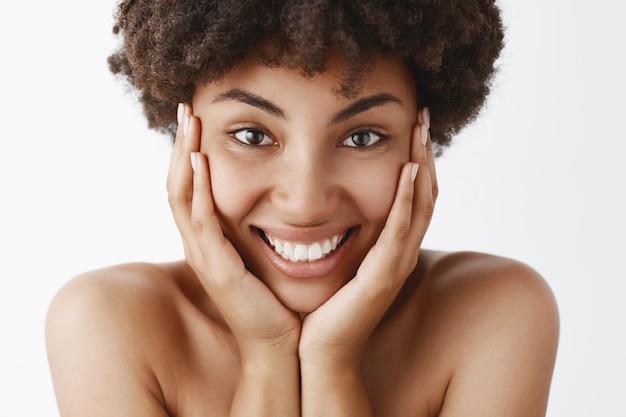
(171, 46)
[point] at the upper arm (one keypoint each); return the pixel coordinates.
(507, 344)
(97, 366)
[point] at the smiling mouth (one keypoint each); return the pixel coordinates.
(300, 252)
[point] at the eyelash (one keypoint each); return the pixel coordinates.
(233, 133)
(381, 138)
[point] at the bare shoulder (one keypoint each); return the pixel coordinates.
(102, 334)
(498, 326)
(488, 281)
(486, 294)
(120, 295)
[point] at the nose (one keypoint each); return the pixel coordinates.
(306, 190)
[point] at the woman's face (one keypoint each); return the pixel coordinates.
(303, 179)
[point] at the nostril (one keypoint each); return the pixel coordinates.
(306, 202)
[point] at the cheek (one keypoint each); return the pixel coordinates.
(375, 190)
(233, 188)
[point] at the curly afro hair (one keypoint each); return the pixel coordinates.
(450, 46)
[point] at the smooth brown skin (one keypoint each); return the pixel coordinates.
(453, 334)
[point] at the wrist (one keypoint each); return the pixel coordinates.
(270, 365)
(268, 356)
(328, 363)
(268, 349)
(341, 357)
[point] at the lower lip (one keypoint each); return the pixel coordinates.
(308, 270)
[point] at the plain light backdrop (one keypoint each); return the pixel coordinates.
(538, 177)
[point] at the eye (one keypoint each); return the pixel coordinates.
(253, 137)
(362, 139)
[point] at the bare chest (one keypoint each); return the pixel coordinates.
(401, 378)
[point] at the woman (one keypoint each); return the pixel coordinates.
(303, 181)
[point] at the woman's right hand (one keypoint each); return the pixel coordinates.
(259, 322)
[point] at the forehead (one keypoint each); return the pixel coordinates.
(285, 84)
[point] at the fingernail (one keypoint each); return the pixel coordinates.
(180, 113)
(423, 134)
(186, 125)
(414, 172)
(194, 160)
(426, 116)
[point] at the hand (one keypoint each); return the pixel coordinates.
(259, 322)
(339, 329)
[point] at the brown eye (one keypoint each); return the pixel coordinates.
(362, 139)
(253, 137)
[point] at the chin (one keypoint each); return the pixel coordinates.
(305, 300)
(303, 306)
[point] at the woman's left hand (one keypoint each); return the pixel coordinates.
(336, 333)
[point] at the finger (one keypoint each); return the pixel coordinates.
(178, 142)
(381, 274)
(187, 140)
(208, 235)
(430, 160)
(203, 217)
(398, 225)
(244, 301)
(396, 237)
(423, 199)
(391, 246)
(180, 175)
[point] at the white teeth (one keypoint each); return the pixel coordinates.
(287, 250)
(298, 252)
(326, 246)
(315, 252)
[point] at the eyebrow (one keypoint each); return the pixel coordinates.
(352, 110)
(252, 100)
(364, 104)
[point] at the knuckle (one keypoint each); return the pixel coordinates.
(407, 196)
(383, 290)
(176, 198)
(402, 232)
(428, 209)
(196, 225)
(173, 200)
(429, 146)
